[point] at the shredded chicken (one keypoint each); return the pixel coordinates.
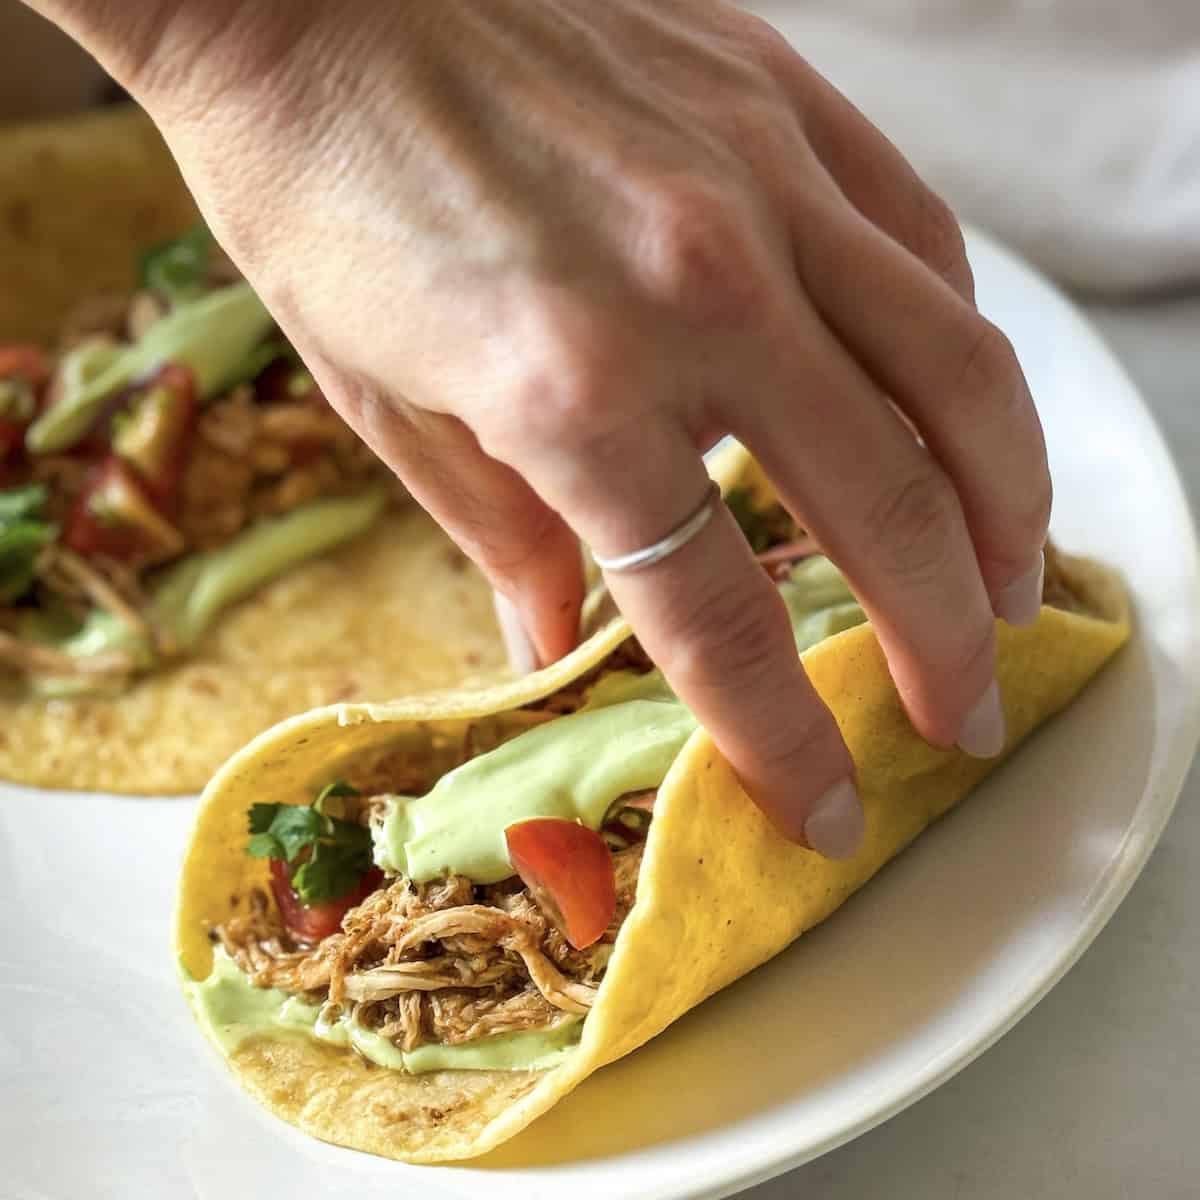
(443, 961)
(254, 459)
(628, 656)
(34, 658)
(63, 569)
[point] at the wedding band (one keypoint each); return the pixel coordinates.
(638, 560)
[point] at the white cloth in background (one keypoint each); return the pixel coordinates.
(1070, 128)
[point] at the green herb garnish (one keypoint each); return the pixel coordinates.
(178, 269)
(335, 854)
(23, 533)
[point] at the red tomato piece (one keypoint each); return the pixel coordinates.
(113, 515)
(25, 362)
(23, 372)
(569, 870)
(12, 435)
(311, 924)
(154, 431)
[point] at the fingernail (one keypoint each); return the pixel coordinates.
(521, 655)
(982, 734)
(835, 822)
(1021, 601)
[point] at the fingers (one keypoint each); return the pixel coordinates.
(712, 620)
(878, 180)
(884, 510)
(524, 547)
(955, 376)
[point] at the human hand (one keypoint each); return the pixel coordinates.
(542, 253)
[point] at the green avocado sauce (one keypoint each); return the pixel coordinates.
(214, 336)
(231, 1010)
(188, 597)
(623, 739)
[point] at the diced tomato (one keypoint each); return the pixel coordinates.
(114, 515)
(12, 436)
(569, 870)
(24, 362)
(154, 432)
(311, 924)
(23, 373)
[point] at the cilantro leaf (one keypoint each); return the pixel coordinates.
(261, 816)
(284, 830)
(178, 269)
(22, 503)
(264, 845)
(333, 855)
(331, 872)
(23, 533)
(339, 787)
(296, 828)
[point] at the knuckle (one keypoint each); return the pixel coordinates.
(723, 635)
(912, 527)
(785, 747)
(507, 549)
(988, 366)
(562, 396)
(1032, 520)
(971, 658)
(938, 238)
(697, 257)
(763, 42)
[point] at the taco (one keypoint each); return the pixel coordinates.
(412, 928)
(193, 545)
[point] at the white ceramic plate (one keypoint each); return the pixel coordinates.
(108, 1089)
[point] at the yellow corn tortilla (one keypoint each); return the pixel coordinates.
(749, 892)
(80, 199)
(397, 610)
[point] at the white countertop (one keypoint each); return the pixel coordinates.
(1095, 1094)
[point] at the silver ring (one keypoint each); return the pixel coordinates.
(638, 560)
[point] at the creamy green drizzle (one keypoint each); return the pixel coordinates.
(232, 1010)
(623, 739)
(213, 336)
(188, 597)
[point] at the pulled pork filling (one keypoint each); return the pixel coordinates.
(445, 961)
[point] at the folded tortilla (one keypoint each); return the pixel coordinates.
(719, 893)
(396, 610)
